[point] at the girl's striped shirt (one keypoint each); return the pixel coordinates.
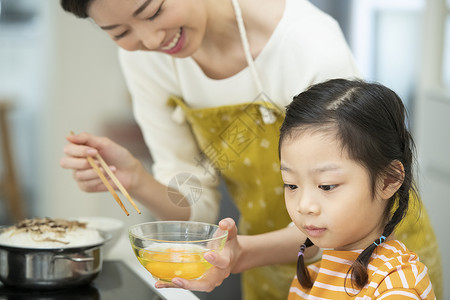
(394, 273)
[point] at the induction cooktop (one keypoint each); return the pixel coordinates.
(115, 281)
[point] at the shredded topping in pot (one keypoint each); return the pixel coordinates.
(38, 226)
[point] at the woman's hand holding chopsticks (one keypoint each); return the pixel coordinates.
(91, 171)
(128, 170)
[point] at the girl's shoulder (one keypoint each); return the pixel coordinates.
(394, 268)
(393, 254)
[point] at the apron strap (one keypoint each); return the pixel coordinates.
(244, 40)
(266, 114)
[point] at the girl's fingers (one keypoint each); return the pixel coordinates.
(165, 285)
(229, 225)
(215, 275)
(206, 284)
(220, 261)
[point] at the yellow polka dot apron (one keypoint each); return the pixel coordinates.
(241, 142)
(244, 149)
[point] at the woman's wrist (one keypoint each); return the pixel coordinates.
(155, 197)
(139, 178)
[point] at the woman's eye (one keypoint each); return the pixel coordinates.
(157, 13)
(119, 36)
(290, 186)
(327, 187)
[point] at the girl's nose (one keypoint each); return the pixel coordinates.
(306, 205)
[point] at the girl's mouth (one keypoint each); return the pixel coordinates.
(175, 44)
(313, 231)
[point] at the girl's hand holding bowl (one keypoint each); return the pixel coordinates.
(177, 249)
(222, 264)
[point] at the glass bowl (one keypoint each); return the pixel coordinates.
(169, 249)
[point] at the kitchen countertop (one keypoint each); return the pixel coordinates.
(121, 250)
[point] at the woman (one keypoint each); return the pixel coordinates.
(207, 93)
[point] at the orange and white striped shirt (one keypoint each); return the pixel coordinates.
(394, 273)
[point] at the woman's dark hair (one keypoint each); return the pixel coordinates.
(370, 122)
(77, 7)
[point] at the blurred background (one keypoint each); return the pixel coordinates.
(60, 74)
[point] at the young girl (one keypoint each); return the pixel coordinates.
(346, 162)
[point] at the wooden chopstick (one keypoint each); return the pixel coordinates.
(106, 183)
(116, 181)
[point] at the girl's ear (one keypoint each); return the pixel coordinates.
(392, 179)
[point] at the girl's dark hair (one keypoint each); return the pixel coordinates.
(302, 273)
(370, 122)
(77, 7)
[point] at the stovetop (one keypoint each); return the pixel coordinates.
(116, 281)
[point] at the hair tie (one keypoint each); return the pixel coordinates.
(380, 240)
(302, 249)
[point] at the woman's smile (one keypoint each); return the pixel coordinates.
(176, 44)
(171, 27)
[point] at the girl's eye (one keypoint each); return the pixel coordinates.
(157, 13)
(290, 186)
(327, 187)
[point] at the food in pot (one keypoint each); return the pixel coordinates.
(49, 233)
